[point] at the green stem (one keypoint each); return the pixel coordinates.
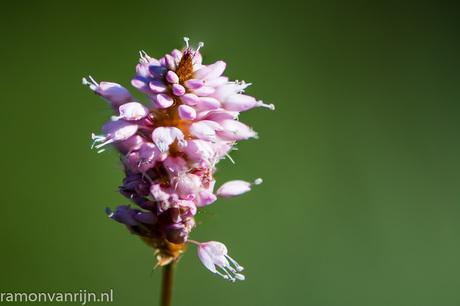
(167, 285)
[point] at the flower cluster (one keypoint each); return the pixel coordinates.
(170, 145)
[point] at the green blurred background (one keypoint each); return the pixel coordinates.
(360, 160)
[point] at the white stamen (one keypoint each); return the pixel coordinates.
(93, 85)
(257, 182)
(240, 86)
(200, 44)
(228, 273)
(237, 266)
(144, 57)
(239, 276)
(104, 143)
(231, 159)
(224, 276)
(186, 41)
(262, 104)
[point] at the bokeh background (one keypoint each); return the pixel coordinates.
(360, 160)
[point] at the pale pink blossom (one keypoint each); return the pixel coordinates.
(214, 255)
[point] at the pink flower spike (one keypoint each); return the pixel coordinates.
(186, 112)
(169, 147)
(235, 188)
(133, 111)
(212, 254)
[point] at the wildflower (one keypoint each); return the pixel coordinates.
(212, 254)
(170, 146)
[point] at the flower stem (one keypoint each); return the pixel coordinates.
(167, 285)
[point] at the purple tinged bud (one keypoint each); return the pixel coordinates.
(143, 70)
(164, 101)
(189, 99)
(157, 71)
(194, 84)
(176, 233)
(141, 84)
(123, 214)
(176, 54)
(158, 86)
(186, 112)
(170, 62)
(133, 111)
(235, 188)
(148, 205)
(178, 90)
(146, 217)
(172, 77)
